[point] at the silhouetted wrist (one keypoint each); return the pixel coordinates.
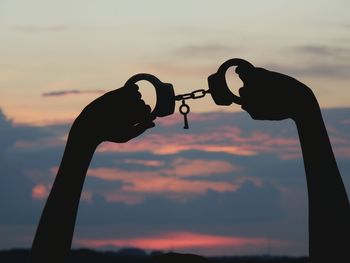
(81, 134)
(307, 108)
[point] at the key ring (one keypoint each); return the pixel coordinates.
(184, 108)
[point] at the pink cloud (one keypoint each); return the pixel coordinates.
(148, 163)
(184, 168)
(177, 119)
(176, 143)
(183, 240)
(225, 139)
(179, 167)
(167, 179)
(155, 182)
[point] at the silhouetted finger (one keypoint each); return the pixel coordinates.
(242, 92)
(140, 128)
(129, 92)
(134, 93)
(122, 95)
(138, 113)
(245, 73)
(144, 114)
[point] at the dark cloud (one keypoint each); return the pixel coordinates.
(70, 92)
(5, 128)
(248, 205)
(263, 201)
(22, 168)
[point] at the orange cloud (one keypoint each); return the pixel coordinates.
(40, 191)
(86, 196)
(182, 240)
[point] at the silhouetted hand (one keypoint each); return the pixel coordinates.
(117, 116)
(269, 95)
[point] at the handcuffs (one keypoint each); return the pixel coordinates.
(217, 87)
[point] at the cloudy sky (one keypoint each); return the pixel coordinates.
(229, 184)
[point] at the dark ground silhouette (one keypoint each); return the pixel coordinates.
(138, 256)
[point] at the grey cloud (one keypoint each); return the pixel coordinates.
(251, 210)
(320, 69)
(206, 50)
(318, 60)
(335, 52)
(11, 133)
(42, 29)
(5, 128)
(102, 185)
(16, 184)
(70, 92)
(249, 204)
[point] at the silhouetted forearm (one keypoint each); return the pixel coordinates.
(329, 212)
(54, 234)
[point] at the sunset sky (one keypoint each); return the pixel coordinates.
(228, 185)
